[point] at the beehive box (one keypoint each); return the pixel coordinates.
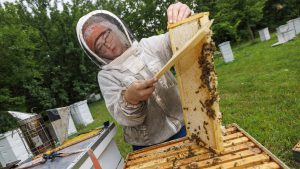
(296, 151)
(240, 151)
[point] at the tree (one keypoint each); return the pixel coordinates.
(16, 51)
(278, 12)
(242, 14)
(41, 60)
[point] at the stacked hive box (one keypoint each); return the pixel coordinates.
(240, 151)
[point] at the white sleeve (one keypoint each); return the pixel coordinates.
(123, 113)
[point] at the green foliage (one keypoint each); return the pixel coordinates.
(17, 63)
(277, 12)
(7, 100)
(8, 122)
(41, 59)
(225, 32)
(242, 15)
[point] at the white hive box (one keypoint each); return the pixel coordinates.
(62, 124)
(283, 30)
(226, 51)
(13, 148)
(81, 113)
(287, 31)
(94, 97)
(291, 31)
(284, 34)
(297, 25)
(71, 127)
(281, 33)
(103, 146)
(264, 34)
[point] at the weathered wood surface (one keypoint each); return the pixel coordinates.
(240, 151)
(197, 82)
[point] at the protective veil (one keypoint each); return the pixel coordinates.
(152, 121)
(87, 31)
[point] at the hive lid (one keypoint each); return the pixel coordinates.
(21, 115)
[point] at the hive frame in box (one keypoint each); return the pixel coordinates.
(197, 81)
(240, 151)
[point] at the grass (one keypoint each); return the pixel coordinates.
(259, 91)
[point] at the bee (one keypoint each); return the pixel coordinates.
(201, 103)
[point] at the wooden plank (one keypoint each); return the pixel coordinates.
(194, 150)
(262, 147)
(230, 129)
(203, 160)
(161, 148)
(269, 165)
(223, 160)
(173, 149)
(244, 162)
(189, 19)
(233, 136)
(197, 84)
(243, 146)
(239, 152)
(179, 54)
(235, 141)
(190, 157)
(169, 154)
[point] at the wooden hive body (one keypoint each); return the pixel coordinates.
(240, 151)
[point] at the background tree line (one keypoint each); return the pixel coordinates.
(42, 65)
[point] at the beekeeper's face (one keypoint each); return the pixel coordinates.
(103, 41)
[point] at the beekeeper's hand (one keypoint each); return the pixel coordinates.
(139, 91)
(177, 12)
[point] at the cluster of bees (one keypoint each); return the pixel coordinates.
(208, 77)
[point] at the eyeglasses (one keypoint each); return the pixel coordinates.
(102, 41)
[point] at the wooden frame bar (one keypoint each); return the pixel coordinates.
(197, 81)
(240, 151)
